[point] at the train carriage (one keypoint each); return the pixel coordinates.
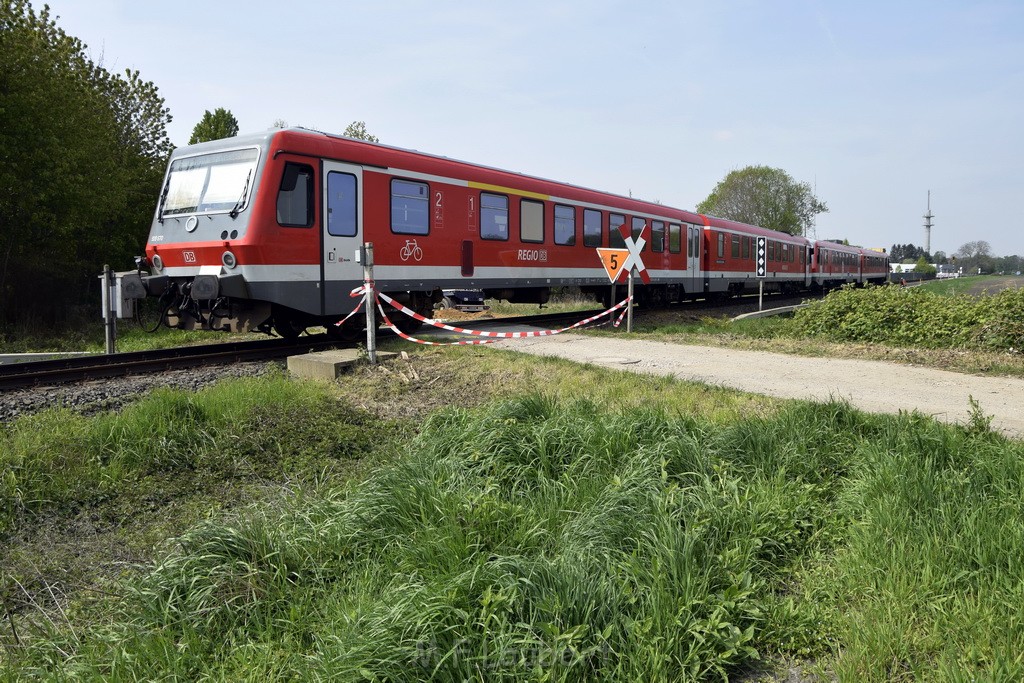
(730, 258)
(262, 232)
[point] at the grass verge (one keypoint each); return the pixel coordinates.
(652, 531)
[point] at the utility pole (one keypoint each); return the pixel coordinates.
(928, 226)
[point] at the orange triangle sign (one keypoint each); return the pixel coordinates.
(613, 260)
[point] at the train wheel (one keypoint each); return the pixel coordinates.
(288, 328)
(407, 323)
(348, 331)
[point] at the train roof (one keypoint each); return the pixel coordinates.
(307, 141)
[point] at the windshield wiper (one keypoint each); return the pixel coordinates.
(238, 205)
(163, 198)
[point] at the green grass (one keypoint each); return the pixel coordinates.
(624, 536)
(954, 286)
(265, 427)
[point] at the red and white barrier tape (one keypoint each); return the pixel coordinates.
(365, 289)
(387, 322)
(498, 335)
(618, 321)
(360, 292)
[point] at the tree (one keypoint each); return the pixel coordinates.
(974, 255)
(82, 153)
(922, 266)
(764, 196)
(357, 129)
(215, 126)
(907, 253)
(1009, 264)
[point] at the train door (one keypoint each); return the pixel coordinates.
(695, 281)
(342, 236)
(807, 265)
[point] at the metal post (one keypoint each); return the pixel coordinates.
(629, 311)
(109, 322)
(760, 295)
(371, 303)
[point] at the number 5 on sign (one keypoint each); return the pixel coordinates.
(613, 260)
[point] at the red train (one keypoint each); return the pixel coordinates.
(261, 232)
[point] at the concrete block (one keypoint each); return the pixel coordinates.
(327, 365)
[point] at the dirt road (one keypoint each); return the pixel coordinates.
(870, 385)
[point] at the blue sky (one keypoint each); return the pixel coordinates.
(874, 102)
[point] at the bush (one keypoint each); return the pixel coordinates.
(915, 317)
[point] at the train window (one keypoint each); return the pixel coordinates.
(565, 225)
(657, 236)
(638, 227)
(295, 196)
(493, 216)
(209, 183)
(531, 221)
(591, 228)
(746, 247)
(341, 204)
(410, 213)
(675, 238)
(615, 239)
(721, 245)
(735, 252)
(697, 236)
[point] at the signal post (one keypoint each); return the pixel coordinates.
(620, 264)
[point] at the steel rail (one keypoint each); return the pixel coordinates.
(102, 366)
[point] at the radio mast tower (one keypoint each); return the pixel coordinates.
(928, 226)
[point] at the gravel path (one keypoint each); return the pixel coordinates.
(873, 386)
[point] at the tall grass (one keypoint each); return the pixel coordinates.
(243, 428)
(548, 540)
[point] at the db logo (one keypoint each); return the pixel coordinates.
(189, 256)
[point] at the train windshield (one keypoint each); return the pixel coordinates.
(209, 183)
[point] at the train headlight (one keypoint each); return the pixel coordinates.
(229, 260)
(158, 263)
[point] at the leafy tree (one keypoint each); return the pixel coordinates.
(1009, 264)
(764, 196)
(922, 266)
(974, 255)
(216, 125)
(357, 129)
(907, 253)
(82, 153)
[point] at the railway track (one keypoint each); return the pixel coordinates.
(93, 367)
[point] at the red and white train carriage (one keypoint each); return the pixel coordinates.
(262, 231)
